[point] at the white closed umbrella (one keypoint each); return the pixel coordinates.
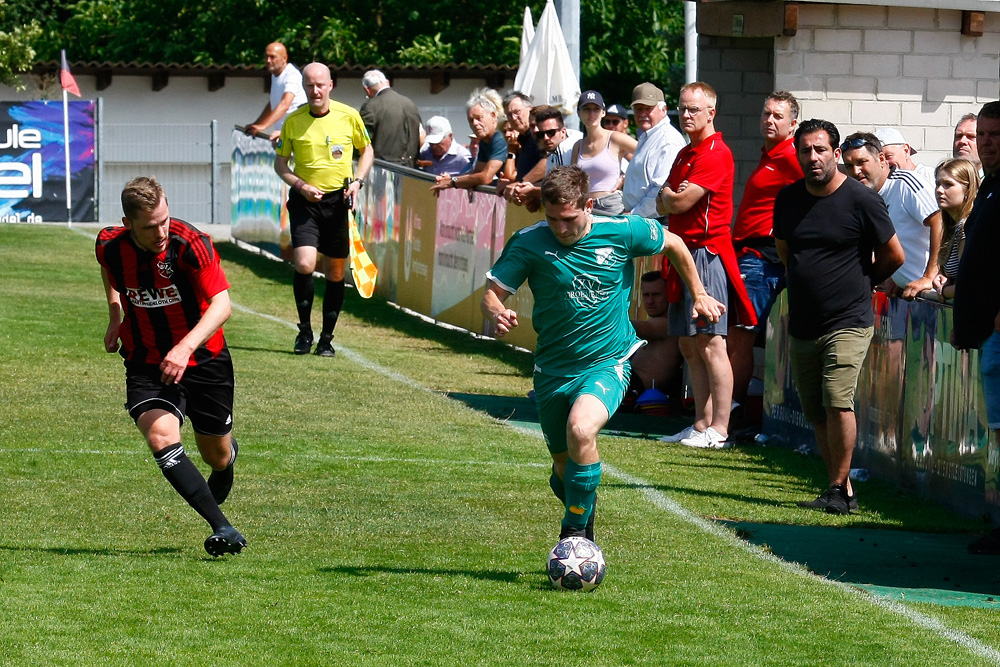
(527, 33)
(546, 71)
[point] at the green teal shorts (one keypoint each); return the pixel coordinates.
(554, 396)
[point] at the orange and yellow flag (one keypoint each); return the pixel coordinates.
(363, 269)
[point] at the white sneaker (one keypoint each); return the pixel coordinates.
(677, 437)
(707, 439)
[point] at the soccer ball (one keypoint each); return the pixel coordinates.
(576, 564)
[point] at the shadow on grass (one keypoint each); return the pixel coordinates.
(485, 575)
(904, 565)
(378, 312)
(63, 551)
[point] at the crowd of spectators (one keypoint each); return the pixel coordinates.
(685, 181)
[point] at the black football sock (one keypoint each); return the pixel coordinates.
(333, 301)
(220, 482)
(184, 476)
(304, 291)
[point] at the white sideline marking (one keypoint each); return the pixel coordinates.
(346, 352)
(659, 499)
(662, 501)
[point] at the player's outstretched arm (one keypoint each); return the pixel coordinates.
(114, 313)
(681, 260)
(493, 308)
(175, 363)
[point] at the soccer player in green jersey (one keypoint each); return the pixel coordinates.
(579, 268)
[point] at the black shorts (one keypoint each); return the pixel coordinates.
(321, 225)
(205, 394)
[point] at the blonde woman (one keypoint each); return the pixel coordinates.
(957, 185)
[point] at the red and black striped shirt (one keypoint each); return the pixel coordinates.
(163, 296)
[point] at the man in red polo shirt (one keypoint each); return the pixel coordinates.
(698, 197)
(762, 272)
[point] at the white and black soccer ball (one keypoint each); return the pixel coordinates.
(576, 564)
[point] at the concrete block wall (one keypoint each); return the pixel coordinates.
(863, 67)
(741, 69)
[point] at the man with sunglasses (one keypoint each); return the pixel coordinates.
(912, 206)
(556, 142)
(615, 119)
(554, 139)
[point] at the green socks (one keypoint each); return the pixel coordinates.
(580, 483)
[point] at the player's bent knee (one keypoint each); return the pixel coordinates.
(160, 428)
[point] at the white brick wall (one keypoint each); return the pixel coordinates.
(863, 67)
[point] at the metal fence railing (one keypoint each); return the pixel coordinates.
(191, 161)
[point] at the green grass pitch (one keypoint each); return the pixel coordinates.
(391, 524)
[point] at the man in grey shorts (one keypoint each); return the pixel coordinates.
(827, 229)
(698, 197)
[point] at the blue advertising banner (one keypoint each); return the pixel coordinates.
(33, 161)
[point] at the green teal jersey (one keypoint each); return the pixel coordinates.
(581, 291)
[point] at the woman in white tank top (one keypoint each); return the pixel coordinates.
(599, 153)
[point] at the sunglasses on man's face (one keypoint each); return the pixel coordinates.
(611, 122)
(547, 133)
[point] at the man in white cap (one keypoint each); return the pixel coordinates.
(442, 154)
(659, 143)
(898, 153)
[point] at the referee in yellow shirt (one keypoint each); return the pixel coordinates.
(323, 137)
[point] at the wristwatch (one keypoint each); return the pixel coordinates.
(454, 181)
(361, 182)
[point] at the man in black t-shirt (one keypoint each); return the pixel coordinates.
(827, 228)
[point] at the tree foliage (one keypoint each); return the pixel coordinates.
(623, 42)
(17, 54)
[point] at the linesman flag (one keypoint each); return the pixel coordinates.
(65, 78)
(363, 269)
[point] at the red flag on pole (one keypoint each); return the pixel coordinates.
(66, 79)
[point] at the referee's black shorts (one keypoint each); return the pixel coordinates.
(204, 394)
(321, 225)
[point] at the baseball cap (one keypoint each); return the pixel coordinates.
(438, 128)
(617, 110)
(590, 97)
(890, 136)
(646, 93)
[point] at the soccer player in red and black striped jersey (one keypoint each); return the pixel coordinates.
(167, 301)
